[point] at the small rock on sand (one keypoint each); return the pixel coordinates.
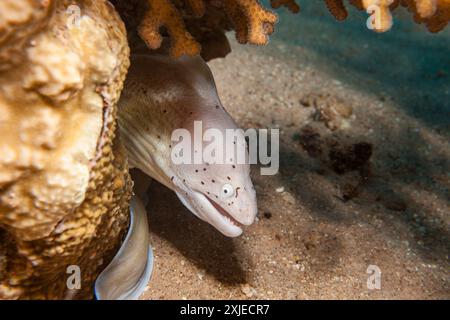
(288, 197)
(248, 290)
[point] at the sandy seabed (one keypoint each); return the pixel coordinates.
(363, 181)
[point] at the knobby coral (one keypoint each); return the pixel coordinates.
(64, 183)
(192, 24)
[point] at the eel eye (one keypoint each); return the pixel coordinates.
(227, 190)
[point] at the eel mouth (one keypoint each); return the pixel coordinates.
(210, 211)
(224, 213)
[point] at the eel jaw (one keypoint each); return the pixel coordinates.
(212, 213)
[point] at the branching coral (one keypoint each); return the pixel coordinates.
(197, 7)
(290, 4)
(425, 8)
(253, 23)
(198, 26)
(209, 31)
(435, 14)
(177, 18)
(164, 13)
(337, 9)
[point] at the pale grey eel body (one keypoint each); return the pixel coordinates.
(126, 277)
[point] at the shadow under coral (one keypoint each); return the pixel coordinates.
(196, 240)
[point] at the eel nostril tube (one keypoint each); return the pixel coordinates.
(128, 274)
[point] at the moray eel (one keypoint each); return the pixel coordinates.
(163, 94)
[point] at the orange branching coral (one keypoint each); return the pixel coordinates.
(441, 18)
(435, 14)
(425, 8)
(337, 9)
(199, 26)
(380, 11)
(209, 31)
(164, 13)
(253, 23)
(197, 7)
(290, 4)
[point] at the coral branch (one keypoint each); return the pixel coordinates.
(381, 17)
(290, 4)
(337, 9)
(197, 7)
(164, 13)
(435, 14)
(426, 8)
(251, 21)
(441, 18)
